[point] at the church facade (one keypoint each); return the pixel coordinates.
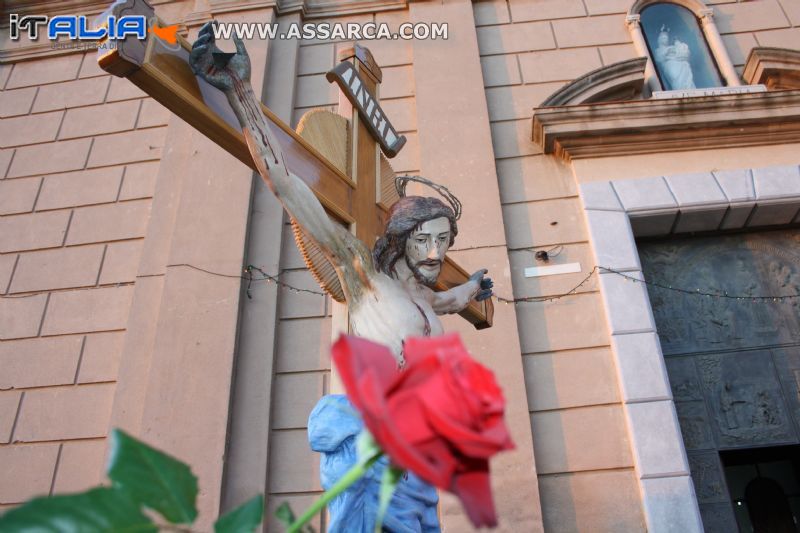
(629, 175)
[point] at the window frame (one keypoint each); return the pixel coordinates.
(708, 28)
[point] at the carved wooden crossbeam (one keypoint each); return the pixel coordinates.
(162, 71)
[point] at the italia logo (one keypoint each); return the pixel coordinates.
(168, 34)
(80, 28)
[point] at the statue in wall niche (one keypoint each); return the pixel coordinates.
(387, 289)
(673, 61)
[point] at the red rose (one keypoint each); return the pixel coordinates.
(441, 417)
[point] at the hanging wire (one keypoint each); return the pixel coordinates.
(248, 276)
(269, 278)
(691, 292)
(704, 292)
(547, 298)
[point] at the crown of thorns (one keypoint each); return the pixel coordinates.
(401, 182)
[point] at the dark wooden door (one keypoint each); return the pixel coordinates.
(733, 364)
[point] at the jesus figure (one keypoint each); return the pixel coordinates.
(388, 290)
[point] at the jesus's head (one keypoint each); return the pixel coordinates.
(419, 232)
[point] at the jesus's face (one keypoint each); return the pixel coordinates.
(426, 247)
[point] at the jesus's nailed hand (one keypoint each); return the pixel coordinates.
(485, 284)
(220, 69)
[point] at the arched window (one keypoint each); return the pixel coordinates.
(683, 44)
(678, 48)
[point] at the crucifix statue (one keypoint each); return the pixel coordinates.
(387, 289)
(352, 197)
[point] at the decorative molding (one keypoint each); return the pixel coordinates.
(309, 9)
(54, 7)
(668, 125)
(227, 6)
(197, 18)
(777, 68)
(616, 82)
(633, 21)
(706, 15)
(695, 6)
(709, 91)
(335, 8)
(219, 7)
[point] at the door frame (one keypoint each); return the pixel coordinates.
(617, 212)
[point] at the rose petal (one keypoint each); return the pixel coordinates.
(417, 374)
(415, 348)
(482, 444)
(353, 356)
(478, 385)
(464, 405)
(473, 489)
(403, 453)
(411, 422)
(438, 393)
(429, 380)
(439, 453)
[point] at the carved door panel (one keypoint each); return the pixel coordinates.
(733, 364)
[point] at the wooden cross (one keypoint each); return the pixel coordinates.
(162, 71)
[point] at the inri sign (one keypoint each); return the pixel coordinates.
(371, 113)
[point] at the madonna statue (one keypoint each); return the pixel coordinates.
(672, 61)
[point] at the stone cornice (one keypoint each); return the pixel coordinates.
(619, 81)
(309, 9)
(695, 6)
(777, 68)
(678, 124)
(335, 8)
(55, 7)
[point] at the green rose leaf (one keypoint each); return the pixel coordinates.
(99, 509)
(153, 478)
(285, 514)
(243, 519)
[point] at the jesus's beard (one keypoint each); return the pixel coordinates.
(426, 280)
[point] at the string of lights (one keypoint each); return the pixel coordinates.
(248, 276)
(710, 293)
(532, 249)
(249, 270)
(707, 292)
(272, 279)
(550, 298)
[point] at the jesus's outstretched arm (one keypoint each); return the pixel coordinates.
(231, 74)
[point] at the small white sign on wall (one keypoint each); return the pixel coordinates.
(552, 270)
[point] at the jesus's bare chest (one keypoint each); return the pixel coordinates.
(390, 313)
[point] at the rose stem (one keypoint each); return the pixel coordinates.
(351, 476)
